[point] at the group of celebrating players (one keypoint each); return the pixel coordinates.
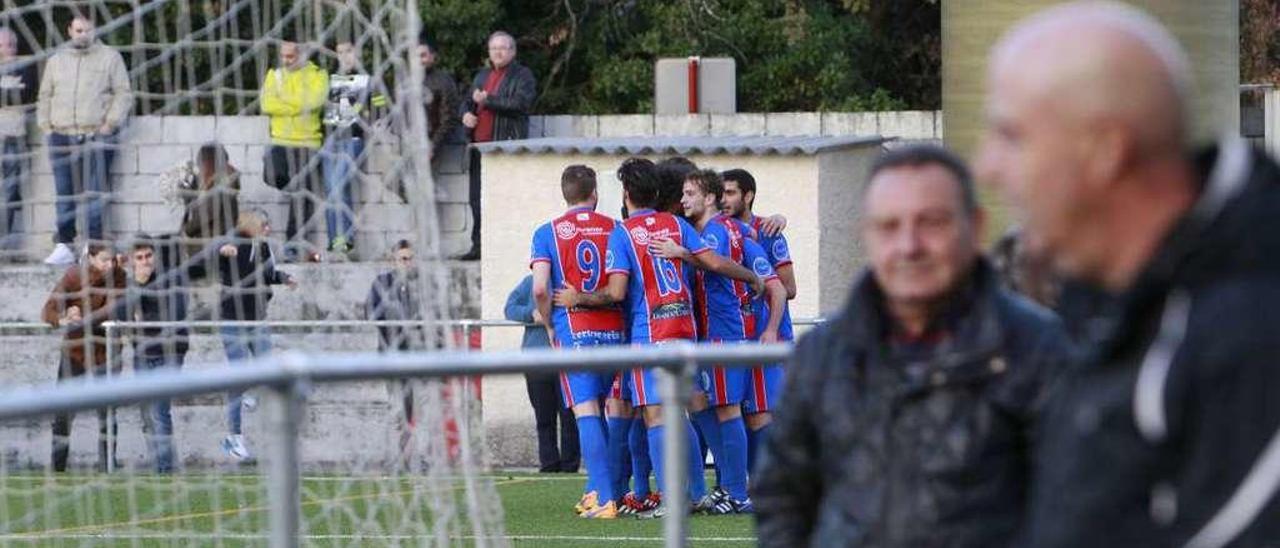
(689, 261)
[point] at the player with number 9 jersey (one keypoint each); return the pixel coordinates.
(575, 244)
(568, 253)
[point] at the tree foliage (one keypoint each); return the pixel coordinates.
(1260, 41)
(598, 56)
(590, 56)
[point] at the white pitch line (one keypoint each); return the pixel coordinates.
(243, 536)
(168, 479)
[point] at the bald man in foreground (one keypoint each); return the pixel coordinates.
(1166, 435)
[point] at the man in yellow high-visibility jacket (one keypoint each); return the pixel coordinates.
(293, 95)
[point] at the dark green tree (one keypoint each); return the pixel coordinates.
(590, 56)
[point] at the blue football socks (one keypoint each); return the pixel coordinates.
(733, 458)
(619, 453)
(641, 466)
(595, 454)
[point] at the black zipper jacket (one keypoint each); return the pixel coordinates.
(1149, 438)
(874, 448)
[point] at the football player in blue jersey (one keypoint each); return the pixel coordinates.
(569, 251)
(656, 294)
(726, 314)
(765, 383)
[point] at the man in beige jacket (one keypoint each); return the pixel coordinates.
(84, 98)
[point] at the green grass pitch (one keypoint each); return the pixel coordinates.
(231, 510)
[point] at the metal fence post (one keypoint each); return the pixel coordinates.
(108, 330)
(283, 490)
(676, 390)
(1271, 123)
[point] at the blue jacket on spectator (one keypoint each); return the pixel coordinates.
(520, 307)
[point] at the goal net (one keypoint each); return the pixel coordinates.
(381, 463)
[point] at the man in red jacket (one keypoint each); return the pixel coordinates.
(497, 109)
(78, 304)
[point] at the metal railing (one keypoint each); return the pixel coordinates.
(288, 376)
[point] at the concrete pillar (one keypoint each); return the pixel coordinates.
(1271, 116)
(1209, 30)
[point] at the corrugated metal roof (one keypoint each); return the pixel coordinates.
(740, 146)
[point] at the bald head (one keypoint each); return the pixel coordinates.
(1103, 62)
(1086, 128)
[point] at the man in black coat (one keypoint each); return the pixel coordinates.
(907, 420)
(497, 109)
(18, 85)
(1166, 433)
(396, 296)
(155, 294)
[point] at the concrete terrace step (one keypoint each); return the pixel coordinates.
(329, 291)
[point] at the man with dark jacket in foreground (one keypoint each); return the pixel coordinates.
(907, 420)
(1166, 435)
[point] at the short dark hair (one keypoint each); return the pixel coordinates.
(290, 33)
(577, 183)
(141, 241)
(213, 153)
(678, 163)
(71, 13)
(925, 155)
(402, 244)
(708, 181)
(96, 248)
(746, 182)
(671, 174)
(640, 181)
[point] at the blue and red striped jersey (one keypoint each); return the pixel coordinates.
(779, 254)
(575, 244)
(724, 307)
(659, 300)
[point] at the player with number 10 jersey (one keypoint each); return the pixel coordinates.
(659, 299)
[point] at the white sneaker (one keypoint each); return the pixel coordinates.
(234, 445)
(248, 402)
(62, 256)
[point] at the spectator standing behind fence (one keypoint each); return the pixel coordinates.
(247, 271)
(153, 294)
(84, 99)
(441, 98)
(496, 109)
(544, 389)
(18, 87)
(395, 296)
(347, 113)
(908, 419)
(293, 96)
(78, 305)
(212, 205)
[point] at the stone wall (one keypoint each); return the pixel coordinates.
(347, 424)
(152, 144)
